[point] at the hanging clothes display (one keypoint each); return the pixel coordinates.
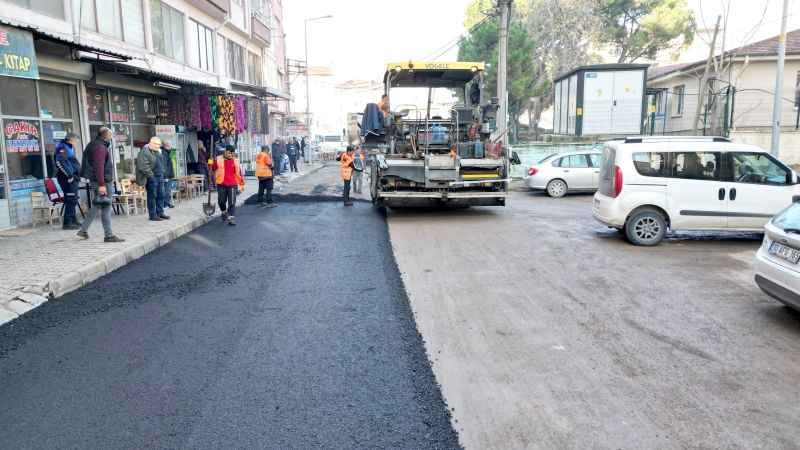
(204, 110)
(225, 117)
(240, 114)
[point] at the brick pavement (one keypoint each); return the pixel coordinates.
(45, 263)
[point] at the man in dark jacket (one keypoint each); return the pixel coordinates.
(98, 169)
(277, 156)
(68, 174)
(293, 150)
(169, 174)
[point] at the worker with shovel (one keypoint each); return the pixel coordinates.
(229, 179)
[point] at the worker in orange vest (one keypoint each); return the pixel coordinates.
(347, 173)
(264, 175)
(229, 179)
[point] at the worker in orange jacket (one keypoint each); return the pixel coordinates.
(264, 175)
(229, 179)
(346, 171)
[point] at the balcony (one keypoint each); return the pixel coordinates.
(260, 30)
(217, 9)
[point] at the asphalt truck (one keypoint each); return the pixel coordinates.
(427, 151)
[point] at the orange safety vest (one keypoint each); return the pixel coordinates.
(263, 165)
(346, 168)
(220, 173)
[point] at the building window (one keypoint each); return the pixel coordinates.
(167, 26)
(52, 8)
(234, 55)
(121, 19)
(201, 46)
(253, 69)
(678, 100)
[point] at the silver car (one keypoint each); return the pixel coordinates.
(566, 172)
(776, 265)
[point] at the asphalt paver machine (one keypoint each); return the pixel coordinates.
(436, 154)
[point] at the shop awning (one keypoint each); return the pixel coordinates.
(64, 39)
(258, 91)
(155, 75)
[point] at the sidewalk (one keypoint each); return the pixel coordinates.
(33, 259)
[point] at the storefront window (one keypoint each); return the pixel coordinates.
(52, 134)
(96, 105)
(120, 108)
(18, 96)
(23, 149)
(56, 100)
(143, 109)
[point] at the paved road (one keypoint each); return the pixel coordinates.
(548, 331)
(291, 330)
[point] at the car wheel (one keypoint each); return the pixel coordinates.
(646, 227)
(556, 188)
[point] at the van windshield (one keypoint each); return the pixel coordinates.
(788, 219)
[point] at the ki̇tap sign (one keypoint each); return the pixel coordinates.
(17, 53)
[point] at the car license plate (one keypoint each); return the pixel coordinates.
(785, 252)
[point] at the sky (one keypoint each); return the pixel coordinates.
(364, 35)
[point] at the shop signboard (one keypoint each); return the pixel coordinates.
(17, 53)
(21, 136)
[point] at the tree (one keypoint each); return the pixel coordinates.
(481, 44)
(643, 28)
(564, 32)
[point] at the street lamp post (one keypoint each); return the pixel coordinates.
(308, 94)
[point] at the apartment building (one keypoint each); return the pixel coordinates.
(141, 67)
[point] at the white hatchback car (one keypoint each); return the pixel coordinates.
(776, 264)
(566, 172)
(651, 184)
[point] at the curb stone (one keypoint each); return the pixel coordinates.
(7, 316)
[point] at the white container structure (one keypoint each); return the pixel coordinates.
(604, 100)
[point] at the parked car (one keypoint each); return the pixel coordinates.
(776, 264)
(566, 172)
(649, 185)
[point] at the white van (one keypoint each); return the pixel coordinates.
(651, 184)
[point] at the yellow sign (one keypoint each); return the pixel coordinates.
(578, 111)
(435, 65)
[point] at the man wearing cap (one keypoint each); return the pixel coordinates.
(228, 175)
(150, 174)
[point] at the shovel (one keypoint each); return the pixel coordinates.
(209, 208)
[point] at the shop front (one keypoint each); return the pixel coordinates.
(36, 112)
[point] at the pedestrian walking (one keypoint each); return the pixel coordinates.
(293, 150)
(346, 170)
(97, 168)
(358, 171)
(228, 175)
(169, 174)
(276, 156)
(303, 149)
(264, 175)
(68, 171)
(150, 174)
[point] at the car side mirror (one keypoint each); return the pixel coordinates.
(515, 158)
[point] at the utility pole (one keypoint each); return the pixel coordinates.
(776, 107)
(502, 71)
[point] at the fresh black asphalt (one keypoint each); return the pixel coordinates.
(292, 330)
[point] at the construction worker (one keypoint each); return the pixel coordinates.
(346, 171)
(359, 166)
(264, 175)
(229, 179)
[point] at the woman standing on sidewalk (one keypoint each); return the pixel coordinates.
(228, 175)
